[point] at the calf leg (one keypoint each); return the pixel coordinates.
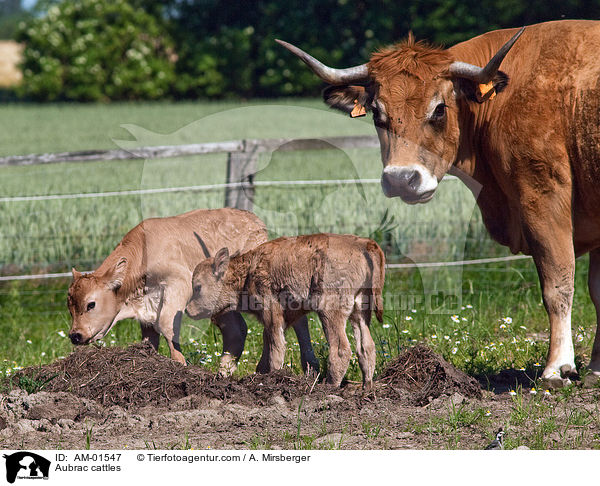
(334, 327)
(594, 287)
(149, 334)
(273, 341)
(310, 363)
(173, 300)
(365, 347)
(170, 326)
(234, 330)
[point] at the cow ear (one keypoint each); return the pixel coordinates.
(118, 275)
(221, 262)
(480, 93)
(76, 274)
(349, 99)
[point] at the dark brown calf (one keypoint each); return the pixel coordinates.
(339, 277)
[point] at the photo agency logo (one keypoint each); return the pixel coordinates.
(26, 465)
(289, 166)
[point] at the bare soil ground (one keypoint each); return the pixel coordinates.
(10, 57)
(116, 398)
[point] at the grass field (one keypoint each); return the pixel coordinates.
(495, 320)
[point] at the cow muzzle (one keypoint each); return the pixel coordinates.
(413, 184)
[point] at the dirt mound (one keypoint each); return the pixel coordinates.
(125, 376)
(138, 376)
(426, 376)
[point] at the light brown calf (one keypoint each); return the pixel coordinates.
(339, 277)
(148, 277)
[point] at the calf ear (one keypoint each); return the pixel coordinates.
(349, 99)
(221, 262)
(118, 276)
(76, 274)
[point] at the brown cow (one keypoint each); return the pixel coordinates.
(527, 136)
(148, 277)
(339, 277)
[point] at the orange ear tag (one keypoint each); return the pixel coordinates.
(483, 92)
(358, 110)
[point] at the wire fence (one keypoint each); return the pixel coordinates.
(238, 188)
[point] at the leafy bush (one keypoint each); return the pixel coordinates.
(123, 49)
(90, 50)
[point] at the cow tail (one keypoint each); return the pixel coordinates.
(378, 281)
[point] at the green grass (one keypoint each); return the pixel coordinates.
(465, 325)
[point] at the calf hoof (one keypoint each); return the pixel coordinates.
(368, 392)
(312, 370)
(227, 366)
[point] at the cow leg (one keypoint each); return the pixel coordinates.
(310, 363)
(334, 327)
(273, 341)
(149, 334)
(234, 330)
(594, 287)
(365, 347)
(551, 246)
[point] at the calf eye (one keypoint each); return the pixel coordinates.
(91, 305)
(197, 288)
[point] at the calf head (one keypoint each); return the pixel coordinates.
(207, 285)
(413, 91)
(94, 303)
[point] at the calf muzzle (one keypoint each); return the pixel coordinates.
(76, 338)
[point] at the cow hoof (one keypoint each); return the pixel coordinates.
(554, 380)
(591, 379)
(593, 376)
(568, 371)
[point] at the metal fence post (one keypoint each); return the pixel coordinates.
(241, 167)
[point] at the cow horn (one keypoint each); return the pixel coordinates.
(330, 75)
(486, 74)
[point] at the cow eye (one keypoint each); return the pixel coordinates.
(439, 112)
(197, 288)
(91, 305)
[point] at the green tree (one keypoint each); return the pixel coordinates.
(90, 50)
(11, 13)
(227, 47)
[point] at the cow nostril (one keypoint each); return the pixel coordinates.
(414, 180)
(75, 338)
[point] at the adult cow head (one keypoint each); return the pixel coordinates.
(413, 91)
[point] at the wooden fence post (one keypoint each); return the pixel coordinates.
(241, 167)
